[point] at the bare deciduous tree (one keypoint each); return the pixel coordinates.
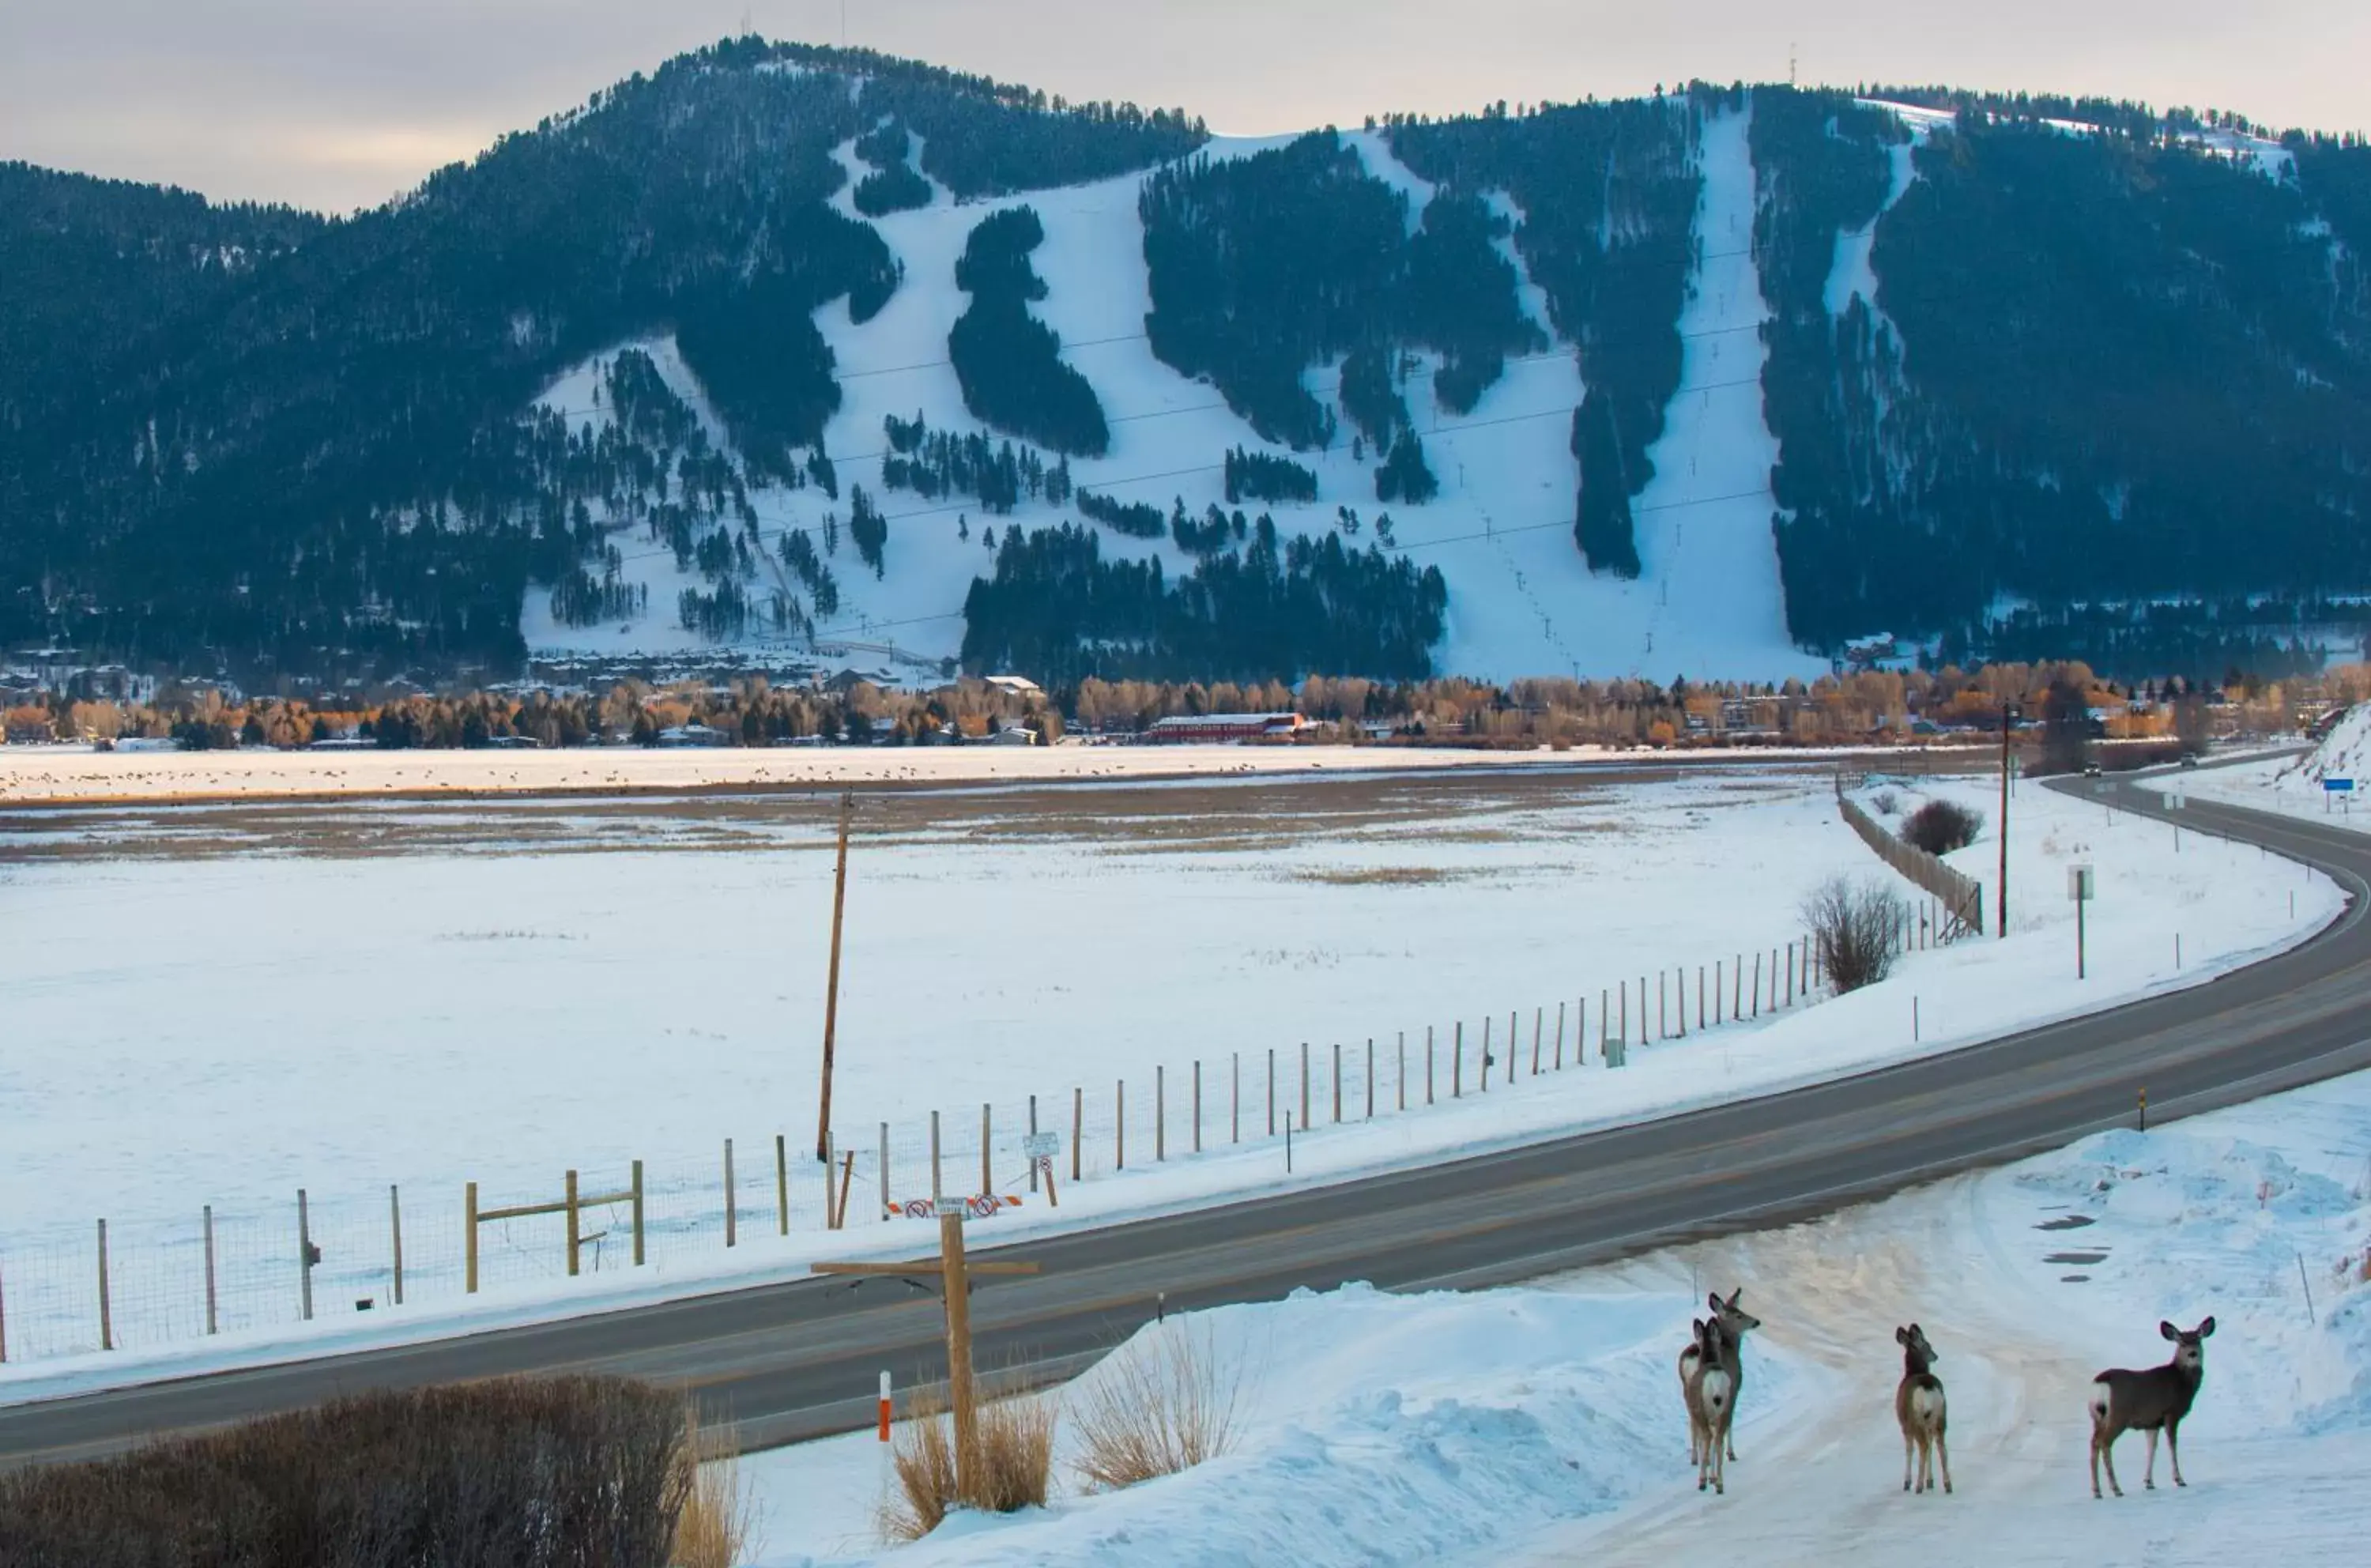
(1855, 925)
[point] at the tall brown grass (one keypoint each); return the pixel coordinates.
(1014, 1468)
(1162, 1403)
(715, 1526)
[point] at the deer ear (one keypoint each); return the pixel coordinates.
(2206, 1329)
(2168, 1331)
(1901, 1336)
(1734, 1295)
(1713, 1300)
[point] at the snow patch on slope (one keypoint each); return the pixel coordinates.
(1854, 275)
(1705, 537)
(1521, 599)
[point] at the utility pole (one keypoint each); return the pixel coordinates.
(2008, 713)
(831, 985)
(955, 1271)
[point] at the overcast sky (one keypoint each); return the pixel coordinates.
(342, 103)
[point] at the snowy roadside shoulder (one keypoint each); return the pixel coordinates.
(2171, 910)
(1368, 1429)
(2327, 783)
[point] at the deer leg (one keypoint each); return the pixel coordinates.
(1907, 1446)
(2173, 1447)
(2148, 1471)
(1943, 1448)
(2107, 1453)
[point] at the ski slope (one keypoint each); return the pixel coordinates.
(1522, 601)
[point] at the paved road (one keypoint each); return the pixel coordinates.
(797, 1359)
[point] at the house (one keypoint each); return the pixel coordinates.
(1209, 729)
(1015, 685)
(1015, 736)
(693, 734)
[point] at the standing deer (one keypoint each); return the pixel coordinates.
(1712, 1402)
(2157, 1398)
(1918, 1406)
(1731, 1322)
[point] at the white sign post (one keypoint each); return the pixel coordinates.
(2079, 887)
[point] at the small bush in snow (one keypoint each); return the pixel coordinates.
(1940, 826)
(1854, 926)
(1886, 802)
(591, 1472)
(1012, 1470)
(1161, 1404)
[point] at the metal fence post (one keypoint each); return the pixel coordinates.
(395, 1228)
(576, 1214)
(732, 1233)
(211, 1320)
(106, 1314)
(637, 1212)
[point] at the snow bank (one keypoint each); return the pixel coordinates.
(1374, 1429)
(2290, 783)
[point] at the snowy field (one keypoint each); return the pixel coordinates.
(2292, 783)
(38, 774)
(1522, 601)
(1542, 1426)
(226, 1028)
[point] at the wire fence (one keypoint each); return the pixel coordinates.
(139, 1286)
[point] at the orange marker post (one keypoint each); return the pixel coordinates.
(885, 1407)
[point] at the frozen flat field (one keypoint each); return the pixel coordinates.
(224, 1004)
(37, 774)
(1539, 1426)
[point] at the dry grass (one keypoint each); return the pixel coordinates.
(1014, 1468)
(1162, 1403)
(714, 1528)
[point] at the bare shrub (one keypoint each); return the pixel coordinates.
(585, 1472)
(714, 1527)
(1161, 1404)
(1012, 1470)
(1940, 826)
(1854, 926)
(1886, 802)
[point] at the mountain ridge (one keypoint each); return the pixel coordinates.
(330, 471)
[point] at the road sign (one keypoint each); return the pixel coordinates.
(2339, 786)
(2079, 883)
(1042, 1146)
(983, 1205)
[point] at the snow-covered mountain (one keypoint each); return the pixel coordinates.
(799, 354)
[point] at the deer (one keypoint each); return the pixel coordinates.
(1918, 1407)
(1731, 1323)
(1712, 1402)
(2149, 1401)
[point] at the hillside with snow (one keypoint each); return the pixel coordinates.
(784, 356)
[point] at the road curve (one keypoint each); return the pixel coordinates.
(800, 1358)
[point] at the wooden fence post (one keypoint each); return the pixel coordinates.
(106, 1312)
(1427, 1064)
(394, 1229)
(1078, 1128)
(1513, 1018)
(1484, 1074)
(783, 1185)
(1790, 974)
(1719, 987)
(732, 1210)
(1457, 1062)
(986, 1169)
(1737, 991)
(1370, 1077)
(938, 1176)
(1559, 1044)
(882, 1176)
(1304, 1086)
(469, 1224)
(1539, 1029)
(211, 1320)
(1032, 1133)
(637, 1212)
(1757, 984)
(576, 1219)
(304, 1255)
